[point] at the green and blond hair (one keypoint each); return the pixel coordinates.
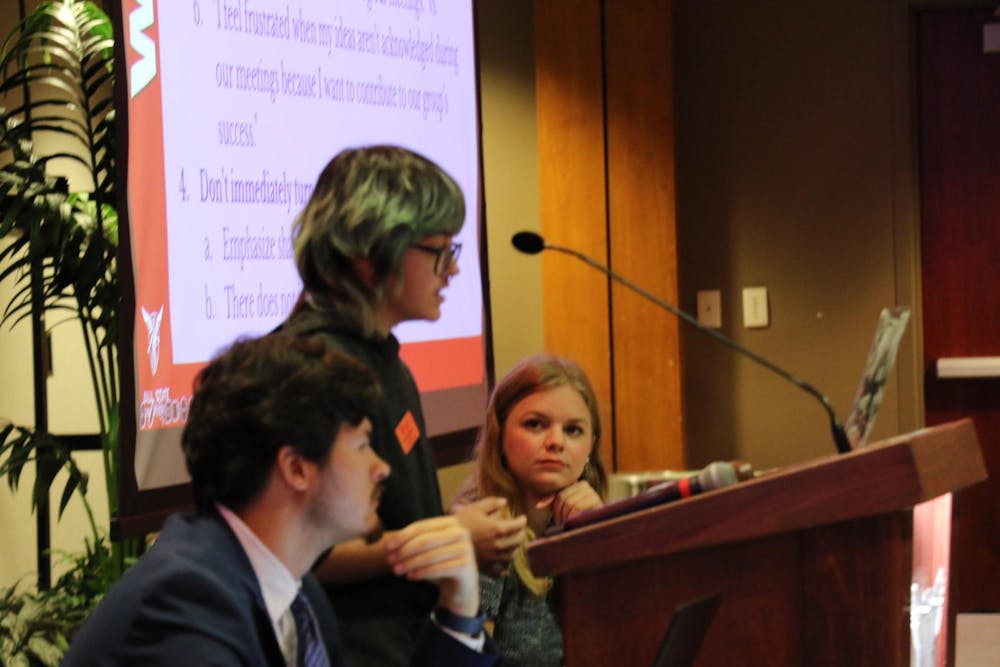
(369, 204)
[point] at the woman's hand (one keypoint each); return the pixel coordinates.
(575, 498)
(495, 535)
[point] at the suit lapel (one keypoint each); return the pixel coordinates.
(265, 630)
(232, 556)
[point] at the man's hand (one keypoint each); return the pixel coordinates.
(494, 537)
(438, 550)
(575, 498)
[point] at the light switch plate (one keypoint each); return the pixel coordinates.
(755, 315)
(710, 308)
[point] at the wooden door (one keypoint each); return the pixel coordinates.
(959, 152)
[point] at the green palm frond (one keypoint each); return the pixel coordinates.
(62, 53)
(20, 446)
(56, 83)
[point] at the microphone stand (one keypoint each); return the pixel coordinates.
(839, 436)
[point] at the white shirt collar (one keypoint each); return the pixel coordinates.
(277, 584)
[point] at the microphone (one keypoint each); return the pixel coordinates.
(713, 476)
(531, 243)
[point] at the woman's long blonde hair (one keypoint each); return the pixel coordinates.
(492, 478)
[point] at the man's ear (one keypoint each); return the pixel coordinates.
(295, 470)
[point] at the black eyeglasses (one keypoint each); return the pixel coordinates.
(443, 256)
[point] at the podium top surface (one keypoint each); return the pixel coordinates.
(890, 475)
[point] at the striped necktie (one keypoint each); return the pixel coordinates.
(310, 643)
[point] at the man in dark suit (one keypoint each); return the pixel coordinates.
(277, 444)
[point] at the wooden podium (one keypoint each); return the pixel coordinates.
(813, 562)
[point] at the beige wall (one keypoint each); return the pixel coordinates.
(510, 188)
(510, 173)
(795, 172)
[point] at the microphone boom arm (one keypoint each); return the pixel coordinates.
(839, 436)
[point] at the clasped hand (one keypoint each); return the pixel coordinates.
(438, 550)
(495, 534)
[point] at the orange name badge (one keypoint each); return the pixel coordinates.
(407, 432)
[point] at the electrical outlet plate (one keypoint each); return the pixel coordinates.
(710, 308)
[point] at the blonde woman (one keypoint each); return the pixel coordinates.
(539, 449)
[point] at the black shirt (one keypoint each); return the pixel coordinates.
(381, 618)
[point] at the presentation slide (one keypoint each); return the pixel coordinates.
(235, 106)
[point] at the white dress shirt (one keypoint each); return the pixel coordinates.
(279, 589)
(277, 584)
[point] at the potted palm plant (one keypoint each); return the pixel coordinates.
(56, 79)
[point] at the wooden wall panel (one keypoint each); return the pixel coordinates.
(568, 89)
(959, 102)
(642, 234)
(604, 89)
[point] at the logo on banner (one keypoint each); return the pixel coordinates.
(144, 69)
(153, 321)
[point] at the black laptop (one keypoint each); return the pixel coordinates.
(686, 632)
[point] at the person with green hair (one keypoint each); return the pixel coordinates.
(374, 247)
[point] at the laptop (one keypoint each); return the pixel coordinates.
(871, 389)
(687, 629)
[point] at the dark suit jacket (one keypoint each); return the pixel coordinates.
(193, 599)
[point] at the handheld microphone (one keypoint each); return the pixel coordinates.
(531, 243)
(713, 476)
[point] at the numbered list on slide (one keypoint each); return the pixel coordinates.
(257, 97)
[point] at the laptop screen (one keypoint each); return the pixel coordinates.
(688, 626)
(881, 359)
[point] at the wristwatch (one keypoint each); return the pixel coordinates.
(467, 625)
